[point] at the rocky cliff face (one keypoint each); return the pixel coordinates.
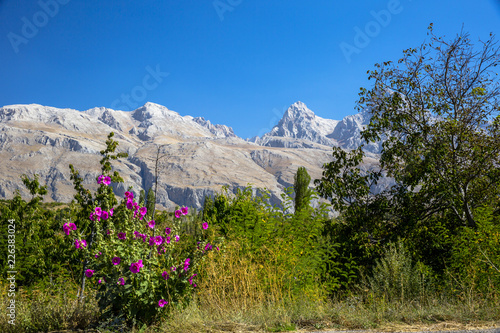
(198, 157)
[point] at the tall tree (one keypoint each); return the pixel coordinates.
(150, 200)
(301, 188)
(439, 109)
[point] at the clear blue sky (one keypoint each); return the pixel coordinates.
(236, 62)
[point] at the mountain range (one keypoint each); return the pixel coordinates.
(197, 157)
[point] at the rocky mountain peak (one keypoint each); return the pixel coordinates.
(152, 110)
(298, 111)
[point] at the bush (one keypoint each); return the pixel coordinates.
(395, 278)
(475, 258)
(139, 271)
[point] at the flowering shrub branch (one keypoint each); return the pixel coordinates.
(137, 273)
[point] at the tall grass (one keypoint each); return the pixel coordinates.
(255, 289)
(241, 291)
(47, 308)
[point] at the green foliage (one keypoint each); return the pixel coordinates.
(434, 107)
(150, 200)
(437, 110)
(301, 189)
(142, 198)
(40, 250)
(396, 278)
(475, 258)
(362, 228)
(296, 239)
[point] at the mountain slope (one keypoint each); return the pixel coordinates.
(200, 157)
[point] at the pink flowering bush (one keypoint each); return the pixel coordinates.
(140, 270)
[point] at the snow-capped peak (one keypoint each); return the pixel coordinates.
(298, 110)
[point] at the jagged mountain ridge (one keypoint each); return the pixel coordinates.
(300, 127)
(200, 157)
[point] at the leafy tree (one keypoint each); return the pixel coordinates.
(301, 189)
(142, 198)
(361, 229)
(150, 200)
(439, 109)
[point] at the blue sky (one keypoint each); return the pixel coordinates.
(236, 62)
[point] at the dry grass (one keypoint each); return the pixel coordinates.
(47, 310)
(244, 293)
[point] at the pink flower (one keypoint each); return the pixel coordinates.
(173, 268)
(167, 231)
(135, 267)
(184, 210)
(151, 241)
(140, 263)
(80, 244)
(67, 227)
(205, 225)
(121, 281)
(104, 215)
(107, 180)
(178, 213)
(97, 255)
(165, 275)
(167, 240)
(111, 212)
(99, 179)
(89, 273)
(191, 279)
(122, 235)
(97, 211)
(143, 211)
(208, 247)
(100, 281)
(159, 240)
(130, 204)
(116, 260)
(91, 217)
(129, 195)
(162, 303)
(151, 224)
(177, 238)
